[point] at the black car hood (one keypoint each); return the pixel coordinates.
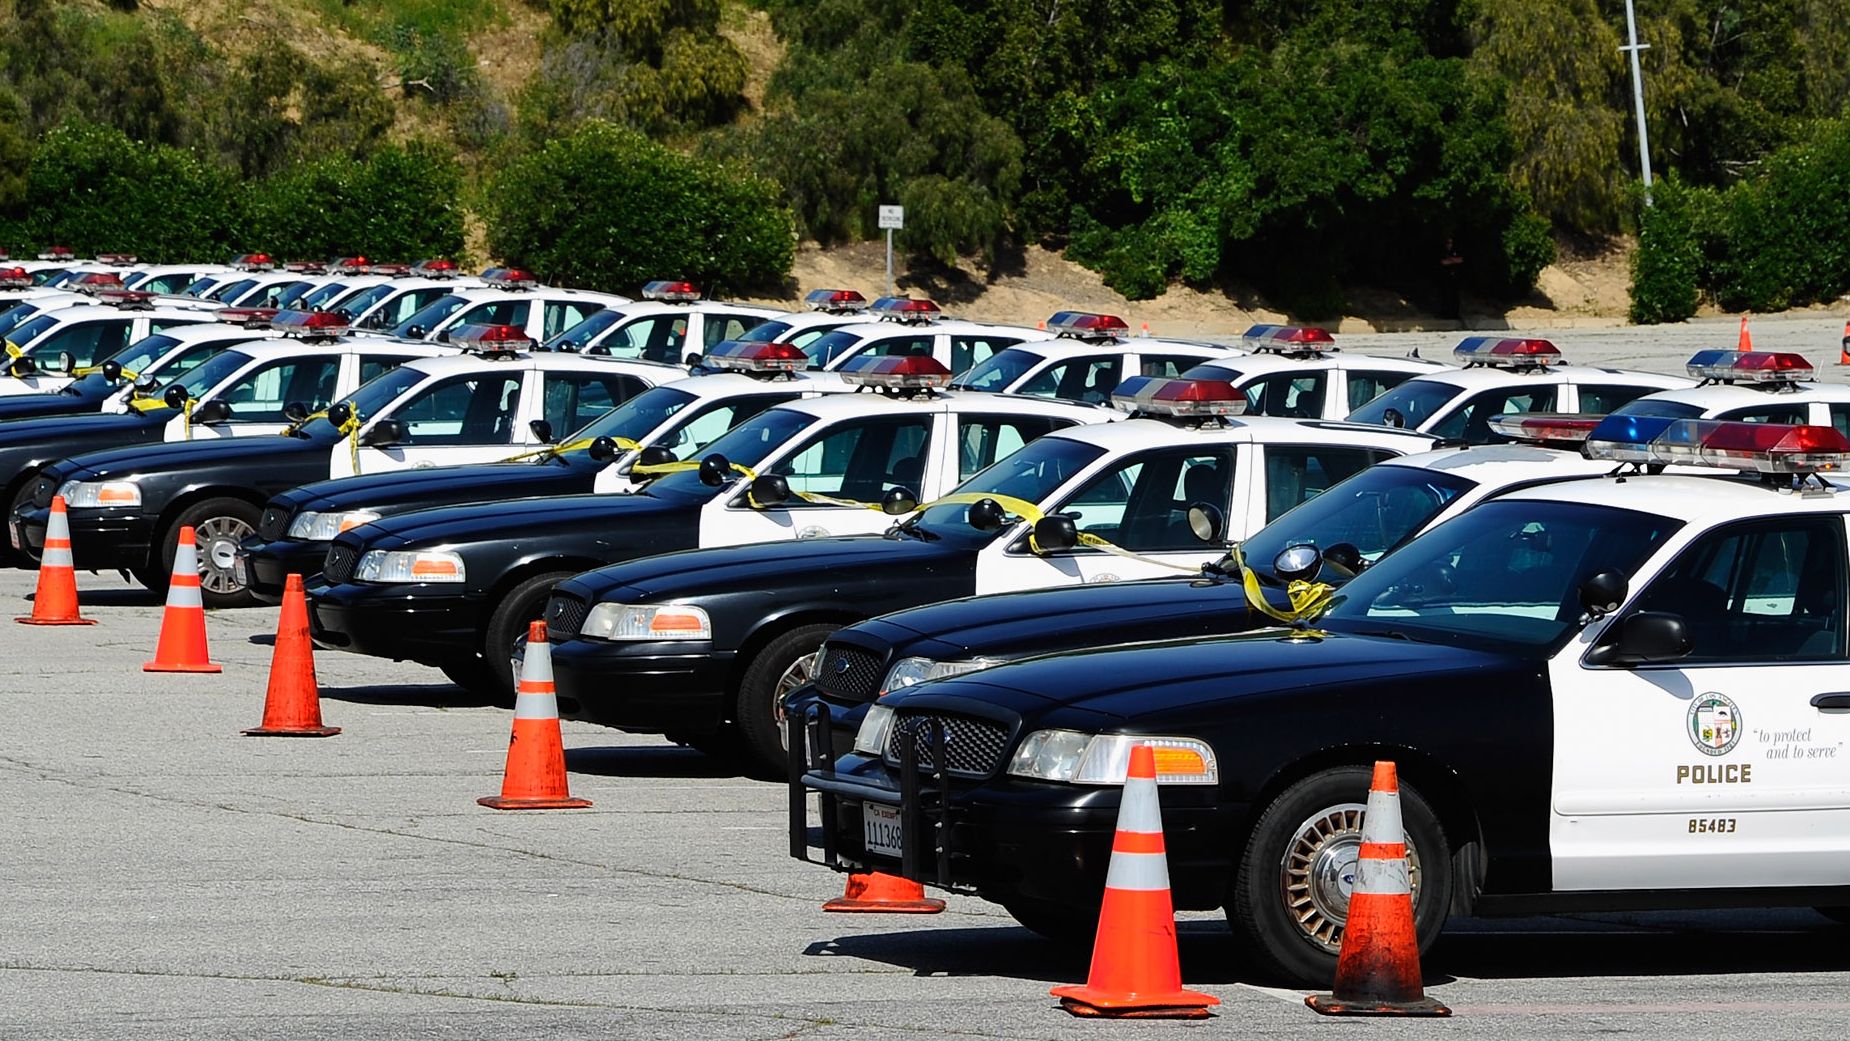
(1149, 680)
(185, 455)
(537, 518)
(56, 403)
(28, 432)
(849, 567)
(441, 486)
(1038, 621)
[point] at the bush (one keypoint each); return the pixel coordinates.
(398, 204)
(607, 208)
(93, 189)
(1787, 242)
(1666, 269)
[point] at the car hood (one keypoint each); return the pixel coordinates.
(26, 432)
(185, 455)
(29, 406)
(1151, 680)
(536, 518)
(850, 567)
(403, 490)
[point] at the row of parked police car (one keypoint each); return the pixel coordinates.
(1597, 616)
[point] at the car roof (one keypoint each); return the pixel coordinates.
(1148, 432)
(473, 361)
(1505, 463)
(638, 308)
(1258, 364)
(716, 385)
(1064, 346)
(485, 293)
(868, 330)
(289, 346)
(840, 406)
(1487, 378)
(82, 312)
(1716, 396)
(1704, 500)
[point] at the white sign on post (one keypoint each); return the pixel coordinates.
(892, 217)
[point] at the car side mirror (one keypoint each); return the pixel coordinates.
(340, 413)
(22, 367)
(295, 412)
(715, 471)
(1299, 563)
(214, 411)
(655, 455)
(111, 370)
(1603, 593)
(692, 361)
(898, 502)
(1206, 521)
(1643, 638)
(417, 332)
(1345, 557)
(383, 433)
(542, 431)
(770, 490)
(1055, 533)
(602, 450)
(986, 515)
(146, 383)
(175, 397)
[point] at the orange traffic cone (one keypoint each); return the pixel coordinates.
(1378, 969)
(535, 774)
(1843, 357)
(1135, 969)
(55, 603)
(182, 646)
(880, 893)
(292, 705)
(1746, 342)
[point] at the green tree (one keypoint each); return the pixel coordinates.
(95, 190)
(397, 204)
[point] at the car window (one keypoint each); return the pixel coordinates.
(192, 357)
(464, 410)
(1470, 422)
(1840, 418)
(717, 327)
(156, 325)
(572, 400)
(861, 459)
(1762, 591)
(899, 346)
(967, 351)
(86, 341)
(1659, 408)
(705, 426)
(260, 395)
(1166, 366)
(1410, 405)
(1599, 399)
(228, 292)
(1077, 379)
(559, 315)
(981, 440)
(1142, 503)
(1295, 474)
(164, 284)
(1293, 395)
(652, 338)
(498, 312)
(1368, 384)
(373, 365)
(1770, 414)
(395, 310)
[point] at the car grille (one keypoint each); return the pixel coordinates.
(274, 523)
(565, 615)
(972, 747)
(848, 671)
(43, 491)
(341, 561)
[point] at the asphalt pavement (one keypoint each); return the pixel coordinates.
(166, 877)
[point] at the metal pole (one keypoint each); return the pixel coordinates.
(889, 254)
(1644, 141)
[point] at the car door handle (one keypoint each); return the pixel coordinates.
(1833, 702)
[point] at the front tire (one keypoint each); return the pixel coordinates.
(477, 680)
(522, 606)
(219, 525)
(785, 664)
(1291, 895)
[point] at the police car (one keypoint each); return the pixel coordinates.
(509, 296)
(672, 324)
(701, 641)
(384, 307)
(904, 326)
(1614, 693)
(1298, 371)
(1348, 529)
(1084, 361)
(50, 350)
(20, 307)
(664, 423)
(135, 370)
(1501, 376)
(1755, 386)
(827, 310)
(455, 587)
(126, 505)
(255, 282)
(169, 279)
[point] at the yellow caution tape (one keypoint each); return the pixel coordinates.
(1308, 599)
(572, 446)
(147, 404)
(1031, 513)
(186, 417)
(660, 469)
(88, 369)
(12, 350)
(351, 431)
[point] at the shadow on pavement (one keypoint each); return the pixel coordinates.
(117, 597)
(1657, 944)
(1007, 950)
(433, 695)
(646, 761)
(262, 639)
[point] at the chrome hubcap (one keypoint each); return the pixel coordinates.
(800, 672)
(1317, 875)
(217, 539)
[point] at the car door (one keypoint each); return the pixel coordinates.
(474, 418)
(1294, 395)
(569, 400)
(560, 315)
(1089, 379)
(1727, 767)
(258, 398)
(719, 326)
(854, 460)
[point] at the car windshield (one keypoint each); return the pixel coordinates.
(363, 301)
(636, 418)
(17, 314)
(321, 298)
(369, 400)
(575, 337)
(229, 292)
(216, 370)
(1031, 473)
(1374, 511)
(746, 444)
(1504, 576)
(826, 348)
(1663, 409)
(31, 329)
(764, 332)
(292, 298)
(430, 316)
(1417, 401)
(136, 358)
(999, 371)
(201, 286)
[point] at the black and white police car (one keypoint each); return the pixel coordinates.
(509, 296)
(1615, 693)
(50, 350)
(135, 371)
(825, 311)
(910, 327)
(672, 323)
(1087, 357)
(1297, 371)
(1754, 386)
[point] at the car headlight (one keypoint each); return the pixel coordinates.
(910, 672)
(427, 566)
(101, 493)
(322, 527)
(1077, 758)
(647, 622)
(876, 727)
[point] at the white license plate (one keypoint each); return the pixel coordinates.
(880, 829)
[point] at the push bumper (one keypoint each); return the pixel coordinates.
(1002, 839)
(651, 687)
(268, 565)
(406, 622)
(101, 540)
